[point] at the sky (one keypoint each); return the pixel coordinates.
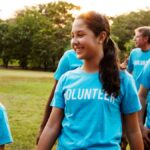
(108, 7)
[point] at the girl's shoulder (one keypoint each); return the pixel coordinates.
(70, 76)
(69, 73)
(69, 52)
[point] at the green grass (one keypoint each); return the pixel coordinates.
(24, 94)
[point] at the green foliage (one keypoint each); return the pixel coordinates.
(27, 24)
(49, 42)
(37, 36)
(129, 45)
(5, 42)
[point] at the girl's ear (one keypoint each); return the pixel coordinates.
(102, 36)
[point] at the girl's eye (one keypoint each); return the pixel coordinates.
(77, 35)
(80, 35)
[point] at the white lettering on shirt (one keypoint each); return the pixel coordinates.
(88, 94)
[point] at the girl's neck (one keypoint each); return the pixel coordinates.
(90, 66)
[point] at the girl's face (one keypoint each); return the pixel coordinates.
(84, 42)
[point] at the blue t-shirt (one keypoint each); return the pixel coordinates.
(92, 119)
(69, 61)
(145, 76)
(5, 134)
(145, 81)
(136, 62)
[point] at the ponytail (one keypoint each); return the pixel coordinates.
(109, 69)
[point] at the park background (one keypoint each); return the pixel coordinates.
(31, 44)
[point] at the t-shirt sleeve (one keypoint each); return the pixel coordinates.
(130, 101)
(5, 134)
(130, 63)
(63, 66)
(145, 76)
(58, 99)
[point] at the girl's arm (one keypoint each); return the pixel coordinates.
(48, 109)
(51, 130)
(133, 132)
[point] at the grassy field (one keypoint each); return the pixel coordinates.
(24, 94)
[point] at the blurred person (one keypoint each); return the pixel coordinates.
(5, 133)
(143, 94)
(138, 56)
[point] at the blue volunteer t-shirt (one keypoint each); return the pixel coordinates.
(92, 119)
(5, 134)
(69, 61)
(145, 81)
(136, 62)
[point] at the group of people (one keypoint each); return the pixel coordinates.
(94, 97)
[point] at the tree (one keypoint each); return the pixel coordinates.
(27, 24)
(5, 43)
(38, 36)
(50, 41)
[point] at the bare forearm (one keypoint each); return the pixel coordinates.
(51, 130)
(143, 92)
(142, 112)
(135, 141)
(47, 112)
(48, 138)
(48, 108)
(133, 131)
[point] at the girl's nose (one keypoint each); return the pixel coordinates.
(74, 41)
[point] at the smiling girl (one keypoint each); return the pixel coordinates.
(90, 100)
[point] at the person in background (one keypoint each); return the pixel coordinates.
(89, 101)
(140, 55)
(143, 93)
(5, 134)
